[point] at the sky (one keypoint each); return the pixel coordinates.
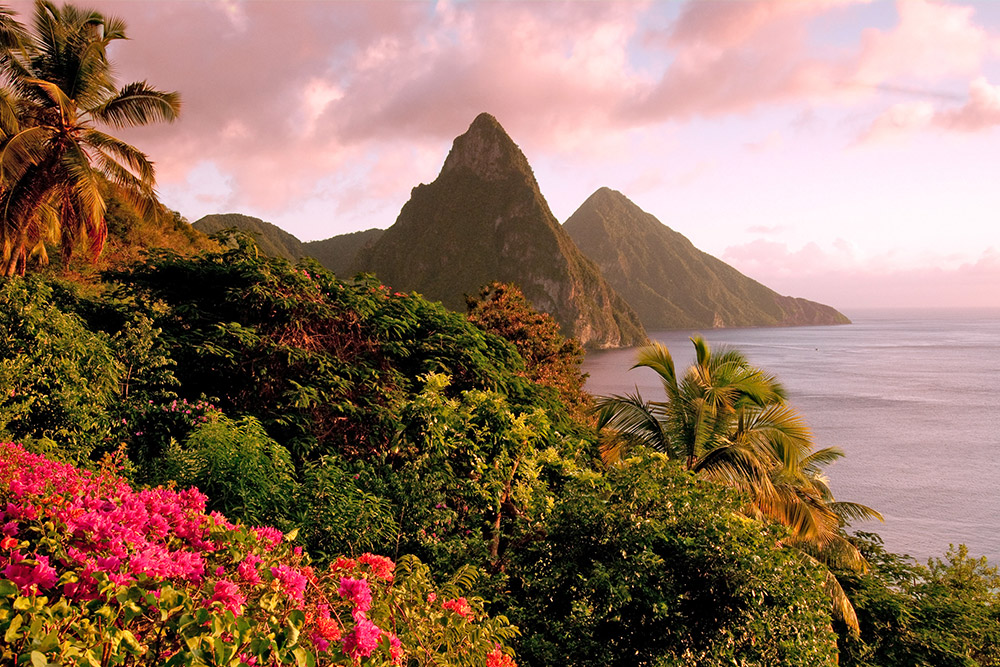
(846, 151)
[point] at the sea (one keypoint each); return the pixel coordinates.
(912, 397)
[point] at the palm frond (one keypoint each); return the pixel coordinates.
(136, 161)
(839, 602)
(13, 34)
(822, 457)
(838, 552)
(737, 467)
(55, 94)
(10, 122)
(848, 511)
(22, 151)
(632, 422)
(138, 104)
(808, 519)
(657, 357)
(778, 432)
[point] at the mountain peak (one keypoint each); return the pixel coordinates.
(486, 151)
(670, 283)
(484, 219)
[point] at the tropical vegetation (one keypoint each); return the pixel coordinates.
(215, 457)
(730, 422)
(56, 164)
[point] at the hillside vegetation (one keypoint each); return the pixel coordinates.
(367, 421)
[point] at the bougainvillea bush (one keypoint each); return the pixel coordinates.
(93, 572)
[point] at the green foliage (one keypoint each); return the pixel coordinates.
(647, 565)
(336, 516)
(464, 478)
(945, 614)
(244, 473)
(59, 382)
(322, 363)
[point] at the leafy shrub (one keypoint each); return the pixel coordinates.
(244, 473)
(550, 359)
(463, 478)
(647, 565)
(336, 516)
(59, 381)
(322, 363)
(944, 614)
(95, 573)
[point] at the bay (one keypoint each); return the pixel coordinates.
(912, 397)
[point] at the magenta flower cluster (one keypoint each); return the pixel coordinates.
(160, 533)
(57, 520)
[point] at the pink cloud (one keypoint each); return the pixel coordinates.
(290, 99)
(762, 229)
(981, 111)
(732, 57)
(933, 40)
(898, 121)
(772, 141)
(843, 280)
(726, 25)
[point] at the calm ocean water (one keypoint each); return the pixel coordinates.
(912, 397)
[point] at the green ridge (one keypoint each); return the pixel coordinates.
(271, 239)
(337, 253)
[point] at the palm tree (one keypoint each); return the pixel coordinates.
(53, 158)
(729, 421)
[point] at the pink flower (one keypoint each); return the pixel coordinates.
(292, 581)
(497, 658)
(362, 640)
(381, 566)
(357, 591)
(229, 596)
(30, 578)
(247, 570)
(459, 605)
(271, 537)
(343, 564)
(327, 629)
(396, 653)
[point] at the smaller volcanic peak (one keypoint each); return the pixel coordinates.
(670, 283)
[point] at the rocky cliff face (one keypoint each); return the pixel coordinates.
(484, 219)
(670, 283)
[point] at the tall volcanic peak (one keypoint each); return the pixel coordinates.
(484, 219)
(487, 151)
(670, 283)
